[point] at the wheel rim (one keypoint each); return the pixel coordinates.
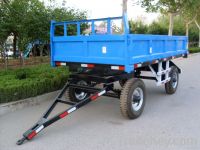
(174, 80)
(80, 95)
(137, 99)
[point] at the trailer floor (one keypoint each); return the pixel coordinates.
(168, 122)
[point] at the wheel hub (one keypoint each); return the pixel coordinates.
(80, 95)
(137, 99)
(174, 80)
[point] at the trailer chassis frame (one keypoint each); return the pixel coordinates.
(108, 85)
(160, 71)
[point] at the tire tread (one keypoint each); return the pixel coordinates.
(124, 98)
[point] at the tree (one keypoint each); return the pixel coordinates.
(29, 20)
(197, 22)
(4, 1)
(197, 19)
(3, 34)
(160, 27)
(15, 14)
(170, 7)
(190, 13)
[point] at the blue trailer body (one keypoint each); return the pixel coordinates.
(122, 50)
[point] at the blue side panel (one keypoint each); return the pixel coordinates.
(145, 48)
(156, 46)
(138, 47)
(114, 49)
(91, 49)
(73, 49)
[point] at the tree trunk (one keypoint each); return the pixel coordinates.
(14, 45)
(187, 29)
(21, 58)
(1, 50)
(199, 37)
(171, 24)
(124, 11)
(5, 61)
(198, 25)
(188, 22)
(41, 50)
(124, 7)
(34, 50)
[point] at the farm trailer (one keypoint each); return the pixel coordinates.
(99, 60)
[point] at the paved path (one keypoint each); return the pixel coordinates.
(168, 122)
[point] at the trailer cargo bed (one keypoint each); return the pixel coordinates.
(121, 50)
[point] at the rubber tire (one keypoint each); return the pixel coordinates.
(70, 95)
(168, 86)
(126, 101)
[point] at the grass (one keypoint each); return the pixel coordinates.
(28, 82)
(194, 49)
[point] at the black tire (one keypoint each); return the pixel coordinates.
(172, 85)
(71, 93)
(128, 101)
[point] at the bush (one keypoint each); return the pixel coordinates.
(22, 74)
(28, 82)
(194, 49)
(156, 28)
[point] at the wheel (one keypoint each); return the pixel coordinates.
(171, 86)
(76, 95)
(132, 99)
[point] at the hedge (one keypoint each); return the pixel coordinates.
(194, 49)
(29, 82)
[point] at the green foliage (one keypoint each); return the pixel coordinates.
(138, 27)
(165, 6)
(160, 26)
(21, 74)
(193, 35)
(29, 20)
(29, 82)
(157, 28)
(194, 49)
(189, 9)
